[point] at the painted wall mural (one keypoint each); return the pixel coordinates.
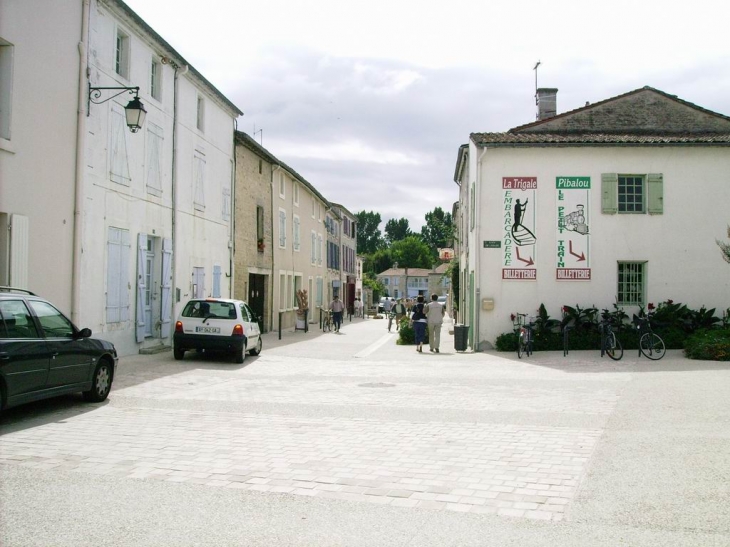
(519, 239)
(573, 226)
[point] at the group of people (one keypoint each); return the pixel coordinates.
(422, 316)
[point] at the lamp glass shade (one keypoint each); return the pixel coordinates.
(135, 114)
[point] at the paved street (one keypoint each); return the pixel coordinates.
(350, 439)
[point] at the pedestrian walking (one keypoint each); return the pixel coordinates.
(418, 318)
(358, 308)
(337, 307)
(400, 312)
(435, 312)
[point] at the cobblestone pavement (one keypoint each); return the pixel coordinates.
(350, 416)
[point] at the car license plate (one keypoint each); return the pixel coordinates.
(211, 330)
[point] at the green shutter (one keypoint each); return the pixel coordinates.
(655, 184)
(609, 189)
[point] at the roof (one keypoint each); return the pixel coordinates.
(247, 141)
(344, 209)
(645, 116)
(179, 60)
(414, 272)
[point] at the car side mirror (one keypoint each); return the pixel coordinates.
(84, 333)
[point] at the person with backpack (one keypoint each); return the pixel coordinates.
(418, 318)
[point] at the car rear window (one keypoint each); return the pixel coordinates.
(210, 309)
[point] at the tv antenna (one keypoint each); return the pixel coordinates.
(261, 131)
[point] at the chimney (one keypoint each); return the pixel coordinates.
(547, 98)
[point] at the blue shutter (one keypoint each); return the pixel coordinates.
(216, 281)
(141, 275)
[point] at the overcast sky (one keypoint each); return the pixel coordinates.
(370, 100)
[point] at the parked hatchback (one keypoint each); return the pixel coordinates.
(217, 324)
(43, 354)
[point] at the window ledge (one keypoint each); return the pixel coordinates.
(7, 146)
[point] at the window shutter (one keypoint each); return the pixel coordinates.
(216, 281)
(609, 189)
(655, 184)
(166, 285)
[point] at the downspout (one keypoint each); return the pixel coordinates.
(79, 168)
(477, 227)
(173, 194)
(232, 228)
(273, 273)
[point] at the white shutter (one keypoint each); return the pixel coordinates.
(154, 169)
(113, 274)
(141, 275)
(166, 310)
(199, 181)
(119, 168)
(216, 281)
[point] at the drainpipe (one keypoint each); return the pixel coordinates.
(273, 274)
(79, 167)
(477, 228)
(179, 71)
(232, 227)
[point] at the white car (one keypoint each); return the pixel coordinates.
(217, 324)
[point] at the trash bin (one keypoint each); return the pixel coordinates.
(461, 337)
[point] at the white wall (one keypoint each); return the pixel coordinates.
(684, 262)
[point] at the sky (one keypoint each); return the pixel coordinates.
(370, 100)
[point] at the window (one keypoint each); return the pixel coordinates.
(6, 87)
(297, 288)
(282, 291)
(282, 186)
(226, 209)
(201, 113)
(295, 189)
(282, 228)
(121, 54)
(216, 281)
(314, 205)
(117, 275)
(156, 80)
(261, 166)
(631, 283)
(16, 321)
(632, 194)
(319, 249)
(54, 324)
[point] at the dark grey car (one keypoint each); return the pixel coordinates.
(43, 354)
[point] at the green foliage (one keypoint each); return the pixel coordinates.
(411, 252)
(579, 318)
(369, 280)
(438, 231)
(396, 230)
(453, 273)
(711, 345)
(406, 334)
(381, 260)
(369, 237)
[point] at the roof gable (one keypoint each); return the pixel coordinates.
(645, 111)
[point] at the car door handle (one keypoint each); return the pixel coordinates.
(4, 356)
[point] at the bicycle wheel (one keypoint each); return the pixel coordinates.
(652, 346)
(613, 347)
(528, 343)
(520, 348)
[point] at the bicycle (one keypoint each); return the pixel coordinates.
(524, 335)
(610, 345)
(327, 321)
(650, 344)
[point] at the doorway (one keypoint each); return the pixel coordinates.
(256, 297)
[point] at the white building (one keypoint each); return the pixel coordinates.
(620, 201)
(119, 229)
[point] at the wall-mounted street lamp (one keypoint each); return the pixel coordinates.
(134, 111)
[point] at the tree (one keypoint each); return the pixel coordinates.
(369, 237)
(438, 232)
(725, 247)
(396, 230)
(411, 252)
(381, 260)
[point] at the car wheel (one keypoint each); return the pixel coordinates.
(101, 384)
(257, 349)
(241, 355)
(178, 353)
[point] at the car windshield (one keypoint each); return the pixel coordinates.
(210, 309)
